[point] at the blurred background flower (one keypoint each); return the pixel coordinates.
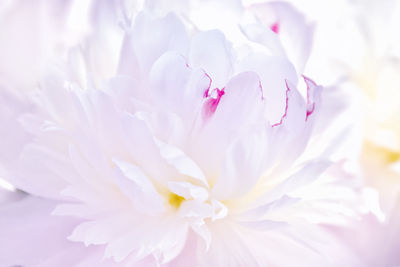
(356, 48)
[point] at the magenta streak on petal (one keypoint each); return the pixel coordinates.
(211, 104)
(275, 27)
(286, 107)
(310, 111)
(207, 91)
(310, 105)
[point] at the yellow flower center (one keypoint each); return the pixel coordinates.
(174, 200)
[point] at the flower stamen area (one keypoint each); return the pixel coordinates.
(174, 200)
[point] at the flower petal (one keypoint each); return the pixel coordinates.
(242, 167)
(188, 190)
(168, 34)
(138, 188)
(295, 33)
(210, 50)
(178, 88)
(20, 239)
(273, 71)
(164, 241)
(184, 164)
(240, 108)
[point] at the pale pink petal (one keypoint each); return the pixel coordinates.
(13, 137)
(183, 164)
(303, 177)
(168, 127)
(24, 224)
(46, 180)
(168, 34)
(243, 165)
(242, 105)
(189, 253)
(295, 33)
(170, 72)
(101, 231)
(143, 150)
(243, 91)
(145, 240)
(138, 188)
(188, 190)
(273, 72)
(212, 52)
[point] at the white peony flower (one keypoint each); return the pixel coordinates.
(192, 153)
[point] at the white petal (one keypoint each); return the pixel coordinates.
(265, 225)
(46, 180)
(273, 72)
(305, 176)
(143, 151)
(101, 231)
(220, 210)
(161, 237)
(210, 51)
(138, 188)
(188, 190)
(270, 209)
(203, 232)
(181, 162)
(196, 210)
(240, 108)
(295, 33)
(168, 34)
(167, 126)
(178, 88)
(242, 167)
(242, 102)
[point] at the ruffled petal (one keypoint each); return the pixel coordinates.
(273, 72)
(178, 88)
(243, 164)
(168, 34)
(211, 51)
(295, 33)
(239, 109)
(138, 188)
